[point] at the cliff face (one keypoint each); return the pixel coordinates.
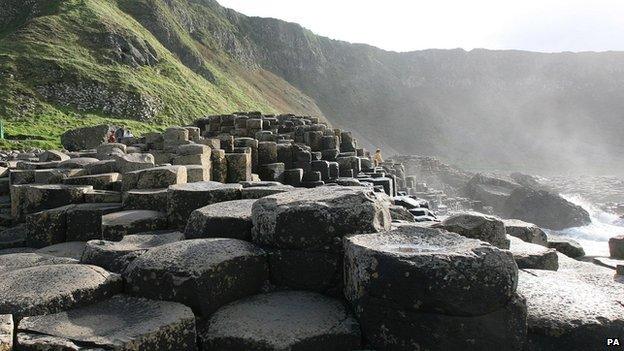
(169, 61)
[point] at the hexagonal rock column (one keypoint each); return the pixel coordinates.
(145, 199)
(134, 162)
(567, 313)
(288, 320)
(115, 256)
(204, 274)
(27, 199)
(119, 323)
(267, 152)
(219, 166)
(193, 154)
(238, 167)
(434, 284)
(50, 289)
(230, 219)
(478, 226)
(118, 224)
(84, 221)
(272, 172)
(6, 332)
(185, 198)
(70, 249)
(153, 178)
(303, 229)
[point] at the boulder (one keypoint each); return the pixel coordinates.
(491, 190)
(145, 199)
(11, 262)
(71, 249)
(185, 198)
(288, 320)
(528, 232)
(566, 246)
(545, 209)
(85, 138)
(616, 247)
(478, 226)
(54, 288)
(118, 224)
(204, 274)
(108, 150)
(6, 332)
(566, 313)
(114, 256)
(154, 178)
(312, 218)
(119, 323)
(533, 256)
(229, 219)
(428, 270)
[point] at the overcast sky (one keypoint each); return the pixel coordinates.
(404, 25)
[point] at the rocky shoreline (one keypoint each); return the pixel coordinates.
(261, 232)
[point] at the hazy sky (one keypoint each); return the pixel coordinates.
(403, 25)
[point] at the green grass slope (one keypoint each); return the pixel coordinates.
(68, 63)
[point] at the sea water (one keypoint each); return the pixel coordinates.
(593, 237)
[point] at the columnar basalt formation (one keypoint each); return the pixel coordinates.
(258, 232)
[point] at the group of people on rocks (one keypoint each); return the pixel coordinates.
(118, 134)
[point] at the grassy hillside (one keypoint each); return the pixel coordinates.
(66, 63)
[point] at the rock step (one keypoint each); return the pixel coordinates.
(119, 323)
(289, 320)
(53, 288)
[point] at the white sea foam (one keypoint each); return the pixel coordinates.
(594, 237)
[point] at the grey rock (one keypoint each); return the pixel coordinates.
(204, 274)
(145, 199)
(528, 232)
(565, 312)
(53, 288)
(428, 270)
(567, 246)
(26, 199)
(11, 262)
(71, 249)
(478, 226)
(257, 192)
(154, 178)
(229, 219)
(78, 162)
(395, 329)
(545, 209)
(133, 162)
(119, 323)
(400, 213)
(289, 320)
(312, 218)
(118, 224)
(53, 155)
(319, 271)
(98, 181)
(6, 332)
(13, 237)
(185, 198)
(533, 256)
(114, 256)
(616, 247)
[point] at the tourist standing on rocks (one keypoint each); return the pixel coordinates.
(111, 137)
(377, 159)
(119, 133)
